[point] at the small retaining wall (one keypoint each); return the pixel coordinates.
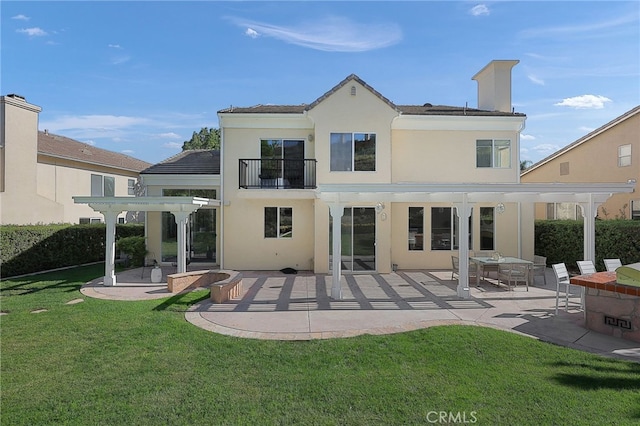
(224, 285)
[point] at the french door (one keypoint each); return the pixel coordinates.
(358, 234)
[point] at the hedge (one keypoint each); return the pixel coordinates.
(562, 241)
(34, 248)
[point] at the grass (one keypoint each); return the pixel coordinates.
(113, 362)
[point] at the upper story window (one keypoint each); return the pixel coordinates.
(131, 186)
(494, 153)
(624, 155)
(353, 152)
(103, 186)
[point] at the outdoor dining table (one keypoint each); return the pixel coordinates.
(507, 260)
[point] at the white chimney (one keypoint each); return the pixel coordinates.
(494, 85)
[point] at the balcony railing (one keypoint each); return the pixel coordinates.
(277, 173)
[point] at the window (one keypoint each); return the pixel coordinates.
(203, 193)
(416, 228)
(282, 159)
(624, 155)
(131, 187)
(487, 228)
(103, 186)
(121, 220)
(444, 229)
(84, 221)
(563, 211)
(353, 152)
(493, 153)
(278, 222)
(635, 209)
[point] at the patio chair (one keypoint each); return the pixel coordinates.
(513, 273)
(612, 264)
(562, 279)
(539, 268)
(586, 267)
(455, 267)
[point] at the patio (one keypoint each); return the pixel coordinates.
(298, 307)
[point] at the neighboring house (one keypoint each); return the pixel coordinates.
(40, 171)
(349, 183)
(610, 153)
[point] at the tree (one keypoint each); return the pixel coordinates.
(524, 165)
(206, 138)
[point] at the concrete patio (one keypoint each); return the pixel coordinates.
(298, 307)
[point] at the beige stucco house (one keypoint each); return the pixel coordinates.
(611, 153)
(352, 183)
(40, 171)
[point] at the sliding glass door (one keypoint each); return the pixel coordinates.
(358, 233)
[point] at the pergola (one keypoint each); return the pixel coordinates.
(463, 196)
(111, 207)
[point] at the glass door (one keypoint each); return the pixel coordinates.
(358, 235)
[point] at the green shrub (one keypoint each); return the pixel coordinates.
(33, 248)
(562, 241)
(135, 247)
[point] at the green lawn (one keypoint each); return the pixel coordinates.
(109, 362)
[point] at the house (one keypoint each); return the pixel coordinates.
(611, 153)
(350, 183)
(40, 171)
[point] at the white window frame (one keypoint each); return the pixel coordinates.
(131, 187)
(497, 145)
(352, 166)
(624, 155)
(280, 214)
(102, 190)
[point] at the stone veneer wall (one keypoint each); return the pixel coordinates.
(622, 311)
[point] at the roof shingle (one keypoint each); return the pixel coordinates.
(190, 162)
(63, 147)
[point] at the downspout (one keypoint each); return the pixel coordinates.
(522, 126)
(222, 202)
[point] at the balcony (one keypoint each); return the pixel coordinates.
(277, 174)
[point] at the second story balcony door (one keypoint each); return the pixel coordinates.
(288, 165)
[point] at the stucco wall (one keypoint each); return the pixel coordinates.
(596, 160)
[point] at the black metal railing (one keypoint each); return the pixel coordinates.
(277, 173)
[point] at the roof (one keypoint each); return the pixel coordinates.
(425, 109)
(584, 139)
(63, 147)
(190, 162)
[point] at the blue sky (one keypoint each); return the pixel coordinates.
(140, 77)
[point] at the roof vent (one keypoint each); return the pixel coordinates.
(353, 90)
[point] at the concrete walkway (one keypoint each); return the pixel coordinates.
(298, 307)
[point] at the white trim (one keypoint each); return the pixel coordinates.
(458, 122)
(264, 121)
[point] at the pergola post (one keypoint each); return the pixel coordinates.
(589, 212)
(337, 210)
(464, 212)
(110, 218)
(181, 221)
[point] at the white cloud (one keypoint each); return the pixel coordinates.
(535, 80)
(585, 102)
(90, 142)
(546, 148)
(332, 34)
(21, 17)
(116, 60)
(95, 125)
(127, 151)
(479, 10)
(115, 46)
(172, 145)
(586, 129)
(169, 135)
(32, 32)
(251, 33)
(527, 137)
(592, 28)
